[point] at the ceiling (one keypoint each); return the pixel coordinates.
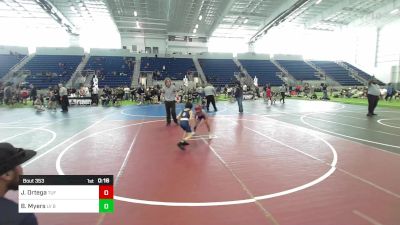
(203, 18)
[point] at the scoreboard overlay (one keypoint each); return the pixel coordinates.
(66, 194)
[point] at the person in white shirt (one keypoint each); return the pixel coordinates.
(373, 96)
(210, 93)
(127, 91)
(63, 98)
(282, 90)
(95, 95)
(169, 95)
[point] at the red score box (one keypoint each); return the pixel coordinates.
(106, 192)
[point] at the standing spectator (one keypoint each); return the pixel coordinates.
(239, 96)
(373, 96)
(390, 92)
(133, 94)
(268, 94)
(56, 91)
(140, 93)
(95, 95)
(282, 90)
(10, 171)
(63, 98)
(24, 95)
(169, 93)
(1, 94)
(210, 93)
(52, 105)
(225, 90)
(8, 94)
(200, 93)
(126, 92)
(33, 93)
(158, 89)
(324, 88)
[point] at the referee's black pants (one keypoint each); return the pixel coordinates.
(372, 103)
(170, 110)
(64, 103)
(211, 99)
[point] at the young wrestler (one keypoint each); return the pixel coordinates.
(199, 116)
(185, 118)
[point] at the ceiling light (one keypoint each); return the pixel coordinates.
(246, 20)
(394, 11)
(135, 13)
(194, 30)
(200, 17)
(319, 1)
(197, 26)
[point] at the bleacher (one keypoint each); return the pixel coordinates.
(298, 69)
(362, 73)
(175, 68)
(337, 72)
(7, 62)
(113, 71)
(219, 72)
(265, 71)
(50, 70)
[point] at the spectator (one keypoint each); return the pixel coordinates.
(373, 96)
(239, 96)
(390, 92)
(282, 90)
(38, 105)
(95, 95)
(126, 92)
(8, 92)
(200, 93)
(52, 105)
(24, 95)
(1, 94)
(10, 171)
(33, 93)
(324, 88)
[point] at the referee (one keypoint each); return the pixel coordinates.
(169, 93)
(63, 98)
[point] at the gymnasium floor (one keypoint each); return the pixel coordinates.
(301, 163)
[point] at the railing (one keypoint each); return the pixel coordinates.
(353, 72)
(199, 69)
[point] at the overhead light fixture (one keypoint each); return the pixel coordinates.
(394, 11)
(319, 1)
(197, 26)
(137, 24)
(135, 13)
(200, 17)
(194, 30)
(246, 20)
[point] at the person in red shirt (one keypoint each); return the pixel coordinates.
(268, 94)
(24, 95)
